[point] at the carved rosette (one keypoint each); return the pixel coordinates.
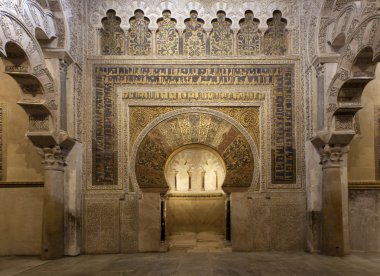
(332, 156)
(53, 158)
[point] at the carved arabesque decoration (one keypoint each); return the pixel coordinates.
(200, 126)
(17, 41)
(139, 118)
(221, 37)
(53, 157)
(167, 37)
(275, 38)
(249, 35)
(139, 35)
(194, 36)
(339, 4)
(38, 123)
(112, 36)
(205, 9)
(332, 155)
(344, 122)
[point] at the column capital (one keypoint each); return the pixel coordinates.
(332, 156)
(53, 158)
(320, 68)
(63, 65)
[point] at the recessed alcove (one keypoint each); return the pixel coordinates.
(196, 203)
(193, 169)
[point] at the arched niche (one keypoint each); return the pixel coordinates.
(188, 126)
(195, 168)
(18, 66)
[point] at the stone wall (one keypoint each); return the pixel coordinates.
(110, 223)
(197, 213)
(21, 219)
(20, 160)
(364, 220)
(275, 221)
(363, 158)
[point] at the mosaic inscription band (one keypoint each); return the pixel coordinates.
(107, 77)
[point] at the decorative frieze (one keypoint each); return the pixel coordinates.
(344, 122)
(221, 36)
(112, 36)
(139, 35)
(38, 123)
(276, 37)
(108, 76)
(167, 37)
(194, 36)
(249, 35)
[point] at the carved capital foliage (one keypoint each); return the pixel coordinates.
(63, 65)
(320, 70)
(332, 155)
(53, 158)
(332, 146)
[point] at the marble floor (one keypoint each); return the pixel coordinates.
(205, 263)
(198, 242)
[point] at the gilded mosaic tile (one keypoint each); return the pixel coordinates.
(107, 77)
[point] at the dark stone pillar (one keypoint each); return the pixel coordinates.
(228, 217)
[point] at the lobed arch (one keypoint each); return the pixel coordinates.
(235, 11)
(340, 27)
(349, 76)
(152, 149)
(35, 80)
(336, 26)
(39, 19)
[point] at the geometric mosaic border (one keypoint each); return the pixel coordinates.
(107, 77)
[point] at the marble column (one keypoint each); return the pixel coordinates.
(321, 94)
(216, 180)
(175, 179)
(180, 50)
(189, 173)
(53, 205)
(203, 180)
(234, 45)
(154, 42)
(63, 94)
(334, 207)
(208, 44)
